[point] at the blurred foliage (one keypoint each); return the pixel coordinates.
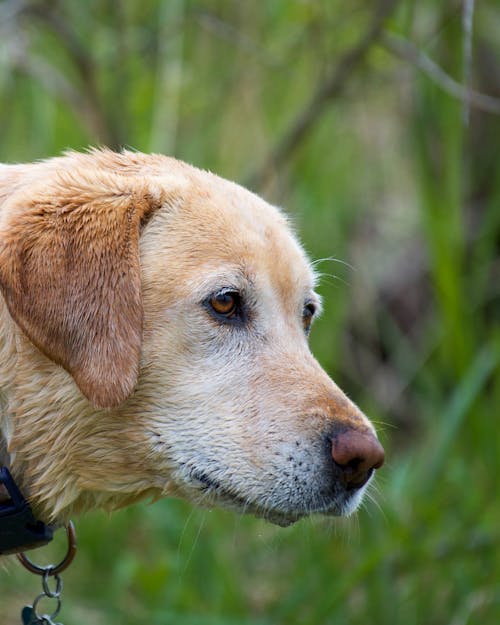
(395, 179)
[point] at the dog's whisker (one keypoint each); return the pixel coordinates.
(331, 259)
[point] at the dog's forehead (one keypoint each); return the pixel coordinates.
(222, 229)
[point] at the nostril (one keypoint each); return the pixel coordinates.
(356, 454)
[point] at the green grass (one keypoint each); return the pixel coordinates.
(391, 182)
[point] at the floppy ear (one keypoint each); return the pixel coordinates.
(70, 275)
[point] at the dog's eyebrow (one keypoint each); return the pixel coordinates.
(214, 281)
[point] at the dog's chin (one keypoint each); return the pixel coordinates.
(286, 518)
(274, 516)
(213, 494)
(344, 508)
(278, 518)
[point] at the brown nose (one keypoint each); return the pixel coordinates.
(356, 454)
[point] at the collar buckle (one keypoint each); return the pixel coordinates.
(19, 530)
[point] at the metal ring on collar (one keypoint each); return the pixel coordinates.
(53, 569)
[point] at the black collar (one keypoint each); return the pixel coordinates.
(19, 529)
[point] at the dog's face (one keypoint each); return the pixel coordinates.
(215, 396)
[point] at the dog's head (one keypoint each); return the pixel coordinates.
(180, 304)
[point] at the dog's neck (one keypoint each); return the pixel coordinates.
(6, 347)
(43, 420)
(26, 392)
(4, 461)
(4, 454)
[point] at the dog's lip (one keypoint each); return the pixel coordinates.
(227, 498)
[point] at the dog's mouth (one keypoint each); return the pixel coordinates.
(213, 492)
(333, 504)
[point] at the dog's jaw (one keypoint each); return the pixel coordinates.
(279, 512)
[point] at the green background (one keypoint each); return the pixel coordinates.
(321, 109)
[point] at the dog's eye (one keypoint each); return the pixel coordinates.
(307, 316)
(225, 303)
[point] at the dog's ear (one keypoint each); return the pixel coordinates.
(70, 275)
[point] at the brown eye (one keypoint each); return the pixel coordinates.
(225, 303)
(307, 316)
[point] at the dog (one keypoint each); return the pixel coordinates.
(153, 342)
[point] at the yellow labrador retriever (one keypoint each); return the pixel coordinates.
(153, 341)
